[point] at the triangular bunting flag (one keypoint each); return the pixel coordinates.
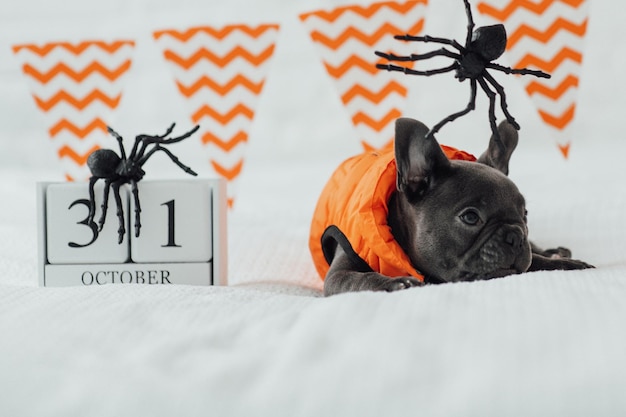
(77, 86)
(546, 35)
(347, 38)
(220, 72)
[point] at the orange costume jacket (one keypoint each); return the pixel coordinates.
(352, 212)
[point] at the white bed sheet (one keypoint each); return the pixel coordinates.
(544, 343)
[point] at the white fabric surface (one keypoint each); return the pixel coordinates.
(537, 344)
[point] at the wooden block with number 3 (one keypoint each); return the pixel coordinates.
(176, 222)
(70, 239)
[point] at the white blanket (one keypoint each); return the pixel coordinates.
(535, 344)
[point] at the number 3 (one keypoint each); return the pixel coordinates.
(92, 225)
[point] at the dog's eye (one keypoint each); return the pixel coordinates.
(470, 217)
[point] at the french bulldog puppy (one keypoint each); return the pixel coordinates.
(452, 219)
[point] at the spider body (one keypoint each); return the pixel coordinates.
(470, 66)
(106, 164)
(117, 170)
(487, 43)
(472, 61)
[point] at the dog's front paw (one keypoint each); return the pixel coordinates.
(403, 283)
(542, 263)
(570, 264)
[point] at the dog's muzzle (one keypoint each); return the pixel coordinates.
(505, 252)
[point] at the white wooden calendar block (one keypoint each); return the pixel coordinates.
(70, 239)
(182, 238)
(176, 222)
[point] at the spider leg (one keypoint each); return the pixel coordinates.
(92, 199)
(120, 211)
(168, 131)
(471, 105)
(503, 103)
(172, 157)
(119, 141)
(428, 38)
(144, 144)
(148, 140)
(519, 71)
(105, 204)
(390, 67)
(415, 57)
(162, 141)
(179, 138)
(492, 111)
(133, 153)
(145, 140)
(135, 191)
(470, 22)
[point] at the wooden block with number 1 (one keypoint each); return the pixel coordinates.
(172, 218)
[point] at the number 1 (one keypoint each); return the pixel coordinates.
(170, 225)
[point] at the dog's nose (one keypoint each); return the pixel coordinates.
(513, 238)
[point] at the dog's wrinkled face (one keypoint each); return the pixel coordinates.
(460, 220)
(470, 225)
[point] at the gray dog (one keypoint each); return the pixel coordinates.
(427, 215)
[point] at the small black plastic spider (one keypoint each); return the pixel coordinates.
(472, 62)
(115, 171)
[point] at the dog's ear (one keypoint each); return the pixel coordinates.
(497, 156)
(419, 159)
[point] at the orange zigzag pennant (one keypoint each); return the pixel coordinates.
(77, 76)
(531, 60)
(222, 118)
(364, 11)
(362, 118)
(353, 61)
(217, 101)
(535, 87)
(205, 54)
(559, 121)
(79, 159)
(553, 43)
(75, 49)
(217, 33)
(221, 89)
(229, 173)
(80, 104)
(504, 13)
(347, 37)
(549, 33)
(226, 145)
(373, 96)
(352, 33)
(57, 71)
(79, 132)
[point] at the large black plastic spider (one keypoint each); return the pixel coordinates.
(472, 62)
(115, 171)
